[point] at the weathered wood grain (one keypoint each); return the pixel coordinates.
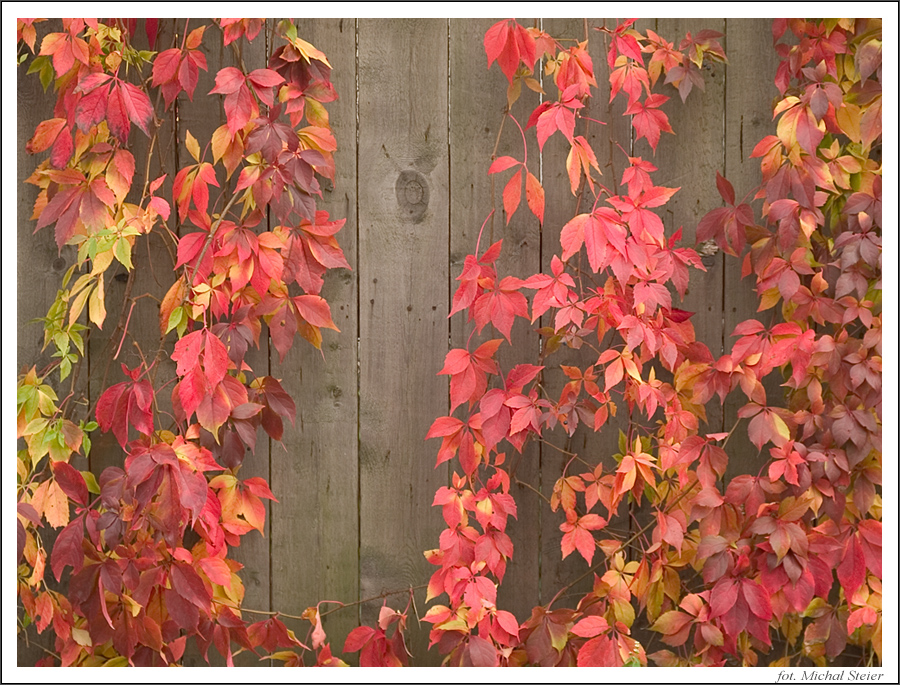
(748, 119)
(689, 160)
(132, 325)
(355, 478)
(201, 117)
(478, 100)
(314, 526)
(39, 269)
(593, 447)
(403, 294)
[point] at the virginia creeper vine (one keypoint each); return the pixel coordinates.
(719, 569)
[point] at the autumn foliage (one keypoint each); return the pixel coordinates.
(143, 548)
(722, 568)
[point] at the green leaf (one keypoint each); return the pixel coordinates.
(89, 478)
(65, 368)
(122, 251)
(23, 394)
(175, 319)
(78, 341)
(35, 426)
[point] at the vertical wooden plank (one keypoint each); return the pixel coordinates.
(201, 117)
(562, 205)
(152, 274)
(403, 272)
(689, 160)
(153, 258)
(40, 267)
(748, 118)
(477, 105)
(314, 526)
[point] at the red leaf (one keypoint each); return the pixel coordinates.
(512, 194)
(590, 626)
(44, 135)
(481, 653)
(358, 638)
(215, 359)
(258, 487)
(723, 597)
(92, 81)
(757, 599)
(499, 164)
(228, 80)
(649, 121)
(510, 45)
(67, 549)
(852, 570)
(71, 481)
(117, 115)
(91, 109)
(216, 570)
(239, 108)
(264, 78)
(188, 585)
(726, 190)
(443, 426)
(599, 651)
(315, 310)
(214, 409)
(534, 195)
(165, 66)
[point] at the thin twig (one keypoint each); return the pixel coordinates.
(533, 489)
(634, 537)
(341, 605)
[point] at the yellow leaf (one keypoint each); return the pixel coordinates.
(848, 117)
(192, 145)
(308, 51)
(82, 637)
(134, 606)
(781, 427)
(101, 262)
(97, 304)
(122, 251)
(769, 299)
(56, 505)
(77, 305)
(174, 298)
(39, 563)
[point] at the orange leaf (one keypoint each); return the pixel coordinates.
(534, 195)
(512, 194)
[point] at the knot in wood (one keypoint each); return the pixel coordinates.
(412, 194)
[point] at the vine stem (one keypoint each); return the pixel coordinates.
(533, 489)
(342, 605)
(125, 331)
(493, 157)
(634, 537)
(206, 243)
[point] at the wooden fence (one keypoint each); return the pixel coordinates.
(417, 118)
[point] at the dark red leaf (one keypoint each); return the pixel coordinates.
(67, 548)
(71, 481)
